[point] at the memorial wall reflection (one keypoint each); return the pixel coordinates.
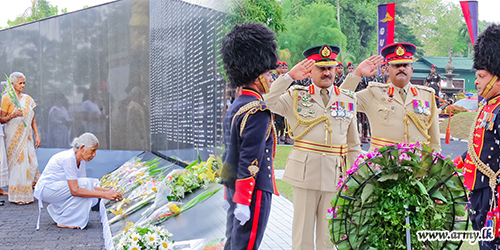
(90, 71)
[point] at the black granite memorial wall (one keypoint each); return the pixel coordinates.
(186, 88)
(141, 75)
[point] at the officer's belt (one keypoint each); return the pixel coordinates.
(378, 142)
(320, 148)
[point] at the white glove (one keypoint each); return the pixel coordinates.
(242, 213)
(225, 205)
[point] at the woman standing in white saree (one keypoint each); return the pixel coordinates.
(19, 127)
(64, 184)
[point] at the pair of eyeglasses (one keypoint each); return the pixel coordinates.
(22, 83)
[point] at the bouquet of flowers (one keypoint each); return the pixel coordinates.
(164, 214)
(394, 191)
(13, 97)
(140, 197)
(194, 176)
(142, 238)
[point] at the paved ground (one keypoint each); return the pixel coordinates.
(18, 230)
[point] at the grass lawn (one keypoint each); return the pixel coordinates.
(285, 189)
(282, 152)
(460, 124)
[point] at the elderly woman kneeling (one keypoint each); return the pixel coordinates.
(64, 185)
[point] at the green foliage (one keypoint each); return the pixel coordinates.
(268, 12)
(391, 184)
(316, 24)
(39, 9)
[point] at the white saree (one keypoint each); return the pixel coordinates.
(21, 155)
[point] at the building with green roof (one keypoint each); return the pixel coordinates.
(463, 67)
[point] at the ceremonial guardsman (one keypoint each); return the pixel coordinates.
(322, 121)
(350, 67)
(398, 111)
(433, 80)
(480, 162)
(249, 54)
(382, 77)
(339, 74)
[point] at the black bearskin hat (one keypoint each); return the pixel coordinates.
(486, 50)
(248, 50)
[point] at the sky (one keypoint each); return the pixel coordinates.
(488, 9)
(10, 9)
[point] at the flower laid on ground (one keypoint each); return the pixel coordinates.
(141, 182)
(385, 187)
(142, 238)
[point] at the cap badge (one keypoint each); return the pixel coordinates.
(325, 52)
(400, 51)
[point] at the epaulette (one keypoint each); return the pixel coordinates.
(378, 84)
(347, 92)
(422, 87)
(248, 109)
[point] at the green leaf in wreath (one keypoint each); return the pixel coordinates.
(447, 170)
(388, 177)
(431, 184)
(422, 188)
(438, 195)
(367, 191)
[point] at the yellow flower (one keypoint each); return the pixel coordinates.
(163, 246)
(118, 211)
(174, 208)
(129, 225)
(134, 246)
(135, 237)
(210, 174)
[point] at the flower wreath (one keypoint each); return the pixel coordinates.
(396, 191)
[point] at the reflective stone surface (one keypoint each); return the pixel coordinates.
(186, 88)
(88, 71)
(140, 75)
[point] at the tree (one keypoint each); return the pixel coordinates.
(268, 12)
(39, 9)
(314, 24)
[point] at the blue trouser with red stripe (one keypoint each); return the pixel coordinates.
(480, 205)
(248, 236)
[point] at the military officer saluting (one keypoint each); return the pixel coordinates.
(480, 162)
(322, 121)
(398, 111)
(433, 81)
(249, 54)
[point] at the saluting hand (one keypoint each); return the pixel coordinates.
(369, 66)
(302, 70)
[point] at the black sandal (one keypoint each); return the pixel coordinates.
(2, 203)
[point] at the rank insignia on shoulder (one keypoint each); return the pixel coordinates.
(347, 92)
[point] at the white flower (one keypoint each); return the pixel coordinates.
(134, 246)
(151, 239)
(134, 237)
(164, 245)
